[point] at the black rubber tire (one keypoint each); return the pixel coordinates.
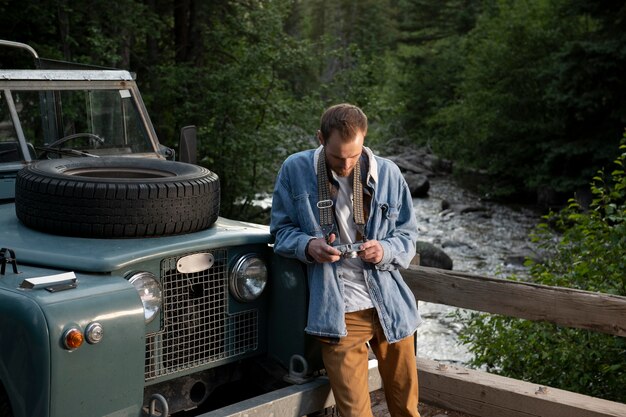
(116, 197)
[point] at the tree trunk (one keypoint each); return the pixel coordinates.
(183, 20)
(64, 30)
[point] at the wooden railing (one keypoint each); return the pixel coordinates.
(486, 395)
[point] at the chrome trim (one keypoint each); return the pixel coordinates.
(195, 263)
(232, 278)
(94, 333)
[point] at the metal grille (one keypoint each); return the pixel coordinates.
(196, 327)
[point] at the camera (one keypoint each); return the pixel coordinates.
(349, 250)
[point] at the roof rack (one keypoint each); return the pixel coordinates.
(45, 63)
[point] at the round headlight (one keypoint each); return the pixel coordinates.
(149, 291)
(248, 278)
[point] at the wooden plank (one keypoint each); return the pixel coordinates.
(451, 387)
(486, 395)
(563, 306)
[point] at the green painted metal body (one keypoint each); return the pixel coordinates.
(24, 353)
(106, 255)
(45, 379)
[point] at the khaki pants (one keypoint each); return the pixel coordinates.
(346, 363)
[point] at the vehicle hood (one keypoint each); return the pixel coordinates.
(106, 255)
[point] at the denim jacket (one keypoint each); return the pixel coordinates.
(391, 220)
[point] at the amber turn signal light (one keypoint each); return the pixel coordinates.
(73, 338)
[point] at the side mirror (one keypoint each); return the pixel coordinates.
(188, 147)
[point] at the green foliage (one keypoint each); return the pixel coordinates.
(590, 252)
(273, 68)
(354, 45)
(431, 75)
(587, 253)
(431, 57)
(243, 103)
(542, 353)
(500, 116)
(533, 96)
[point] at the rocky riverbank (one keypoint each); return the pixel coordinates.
(459, 229)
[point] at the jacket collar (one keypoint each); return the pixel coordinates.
(373, 165)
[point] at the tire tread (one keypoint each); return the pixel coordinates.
(77, 206)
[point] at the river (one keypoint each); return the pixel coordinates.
(488, 239)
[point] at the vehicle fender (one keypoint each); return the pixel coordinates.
(44, 378)
(105, 378)
(24, 355)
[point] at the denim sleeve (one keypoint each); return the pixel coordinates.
(290, 240)
(399, 243)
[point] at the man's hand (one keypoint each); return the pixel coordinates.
(371, 251)
(321, 251)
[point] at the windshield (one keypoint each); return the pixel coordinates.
(99, 122)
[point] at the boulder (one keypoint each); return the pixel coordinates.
(407, 165)
(419, 161)
(419, 184)
(432, 256)
(447, 206)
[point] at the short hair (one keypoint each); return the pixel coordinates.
(345, 118)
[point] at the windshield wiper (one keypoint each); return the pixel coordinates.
(62, 151)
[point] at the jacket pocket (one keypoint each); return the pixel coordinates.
(306, 216)
(391, 213)
(386, 219)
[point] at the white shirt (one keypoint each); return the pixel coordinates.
(356, 294)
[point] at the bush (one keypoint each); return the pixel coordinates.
(585, 249)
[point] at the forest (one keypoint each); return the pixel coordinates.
(530, 95)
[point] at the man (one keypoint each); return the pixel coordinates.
(341, 194)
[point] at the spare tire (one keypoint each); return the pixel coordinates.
(116, 197)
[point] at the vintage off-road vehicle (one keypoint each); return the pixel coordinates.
(122, 291)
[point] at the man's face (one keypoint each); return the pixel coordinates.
(342, 156)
